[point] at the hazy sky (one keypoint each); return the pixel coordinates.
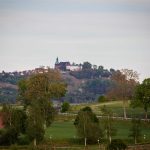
(112, 33)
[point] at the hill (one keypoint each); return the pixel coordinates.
(8, 93)
(8, 85)
(82, 86)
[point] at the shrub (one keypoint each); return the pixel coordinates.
(23, 140)
(65, 106)
(117, 144)
(102, 99)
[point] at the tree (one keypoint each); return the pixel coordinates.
(13, 117)
(86, 65)
(8, 136)
(22, 89)
(14, 122)
(35, 126)
(7, 115)
(101, 68)
(41, 86)
(142, 96)
(102, 98)
(108, 123)
(65, 106)
(135, 130)
(36, 93)
(125, 82)
(87, 125)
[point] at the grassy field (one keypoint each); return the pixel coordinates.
(66, 130)
(115, 106)
(123, 129)
(63, 127)
(61, 130)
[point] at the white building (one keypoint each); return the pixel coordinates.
(74, 67)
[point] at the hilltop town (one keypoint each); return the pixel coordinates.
(84, 78)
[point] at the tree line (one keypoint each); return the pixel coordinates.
(90, 71)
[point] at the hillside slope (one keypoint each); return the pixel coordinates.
(8, 85)
(86, 88)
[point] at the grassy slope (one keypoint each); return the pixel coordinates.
(115, 106)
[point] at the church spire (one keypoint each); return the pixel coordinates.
(57, 61)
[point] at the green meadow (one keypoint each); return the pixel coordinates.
(65, 130)
(61, 130)
(115, 106)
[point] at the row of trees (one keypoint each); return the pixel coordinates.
(9, 78)
(90, 71)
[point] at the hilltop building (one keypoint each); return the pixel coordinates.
(67, 66)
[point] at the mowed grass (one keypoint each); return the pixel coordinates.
(63, 127)
(66, 130)
(123, 129)
(61, 130)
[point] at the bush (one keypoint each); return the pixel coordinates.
(8, 136)
(117, 144)
(102, 99)
(65, 106)
(23, 140)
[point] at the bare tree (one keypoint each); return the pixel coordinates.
(125, 82)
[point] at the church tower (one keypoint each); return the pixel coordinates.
(57, 61)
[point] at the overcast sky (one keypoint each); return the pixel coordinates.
(112, 33)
